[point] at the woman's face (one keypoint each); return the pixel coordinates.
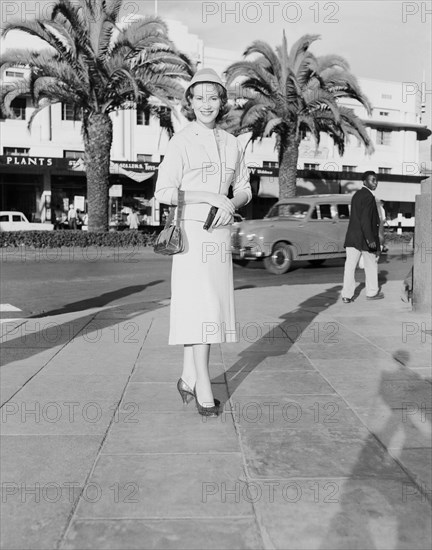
(206, 103)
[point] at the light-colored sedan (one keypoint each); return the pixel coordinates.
(16, 221)
(309, 228)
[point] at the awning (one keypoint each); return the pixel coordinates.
(118, 170)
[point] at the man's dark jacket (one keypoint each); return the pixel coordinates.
(363, 227)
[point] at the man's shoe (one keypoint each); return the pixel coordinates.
(346, 300)
(377, 296)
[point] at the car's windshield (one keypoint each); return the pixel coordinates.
(294, 210)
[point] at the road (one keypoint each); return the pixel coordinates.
(50, 282)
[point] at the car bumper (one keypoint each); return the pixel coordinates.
(246, 253)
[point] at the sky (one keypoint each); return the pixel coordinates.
(382, 39)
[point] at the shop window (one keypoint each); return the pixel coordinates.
(384, 113)
(69, 113)
(310, 166)
(349, 168)
(21, 151)
(143, 116)
(383, 137)
(73, 154)
(383, 170)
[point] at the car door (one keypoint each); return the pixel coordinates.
(324, 231)
(343, 213)
(19, 223)
(4, 222)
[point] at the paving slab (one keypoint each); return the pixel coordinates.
(289, 452)
(170, 534)
(165, 485)
(331, 513)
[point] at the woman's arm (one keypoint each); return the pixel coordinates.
(241, 186)
(170, 175)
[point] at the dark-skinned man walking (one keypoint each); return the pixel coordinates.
(362, 240)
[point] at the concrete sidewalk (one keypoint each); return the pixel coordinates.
(323, 442)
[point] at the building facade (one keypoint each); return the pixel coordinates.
(41, 171)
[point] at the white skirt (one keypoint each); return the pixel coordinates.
(202, 287)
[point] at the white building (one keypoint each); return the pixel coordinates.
(39, 172)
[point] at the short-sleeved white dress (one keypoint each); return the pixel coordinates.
(202, 288)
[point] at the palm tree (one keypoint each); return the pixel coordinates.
(289, 94)
(98, 64)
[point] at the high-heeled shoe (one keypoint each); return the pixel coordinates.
(184, 390)
(187, 394)
(206, 411)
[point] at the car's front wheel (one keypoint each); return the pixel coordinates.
(280, 260)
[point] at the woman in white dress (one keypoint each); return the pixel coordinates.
(200, 164)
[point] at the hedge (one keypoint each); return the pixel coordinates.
(71, 238)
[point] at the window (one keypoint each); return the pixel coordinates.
(290, 210)
(18, 107)
(323, 212)
(4, 218)
(143, 116)
(17, 218)
(15, 74)
(348, 168)
(144, 158)
(309, 166)
(21, 151)
(383, 170)
(296, 210)
(384, 113)
(270, 164)
(386, 96)
(73, 154)
(343, 211)
(383, 137)
(69, 114)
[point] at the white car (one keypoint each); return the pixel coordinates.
(16, 221)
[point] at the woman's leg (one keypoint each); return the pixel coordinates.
(201, 354)
(189, 374)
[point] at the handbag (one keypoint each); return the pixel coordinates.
(170, 240)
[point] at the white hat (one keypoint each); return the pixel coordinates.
(206, 75)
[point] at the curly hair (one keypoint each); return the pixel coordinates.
(186, 104)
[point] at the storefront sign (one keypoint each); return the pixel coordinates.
(26, 161)
(258, 171)
(116, 191)
(79, 202)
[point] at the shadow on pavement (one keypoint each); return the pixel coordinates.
(97, 301)
(28, 340)
(400, 502)
(279, 339)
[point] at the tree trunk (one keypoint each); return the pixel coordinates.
(288, 157)
(97, 137)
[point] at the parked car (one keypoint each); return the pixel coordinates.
(16, 221)
(309, 228)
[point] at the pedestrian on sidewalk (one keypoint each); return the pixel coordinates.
(133, 220)
(362, 240)
(72, 217)
(201, 163)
